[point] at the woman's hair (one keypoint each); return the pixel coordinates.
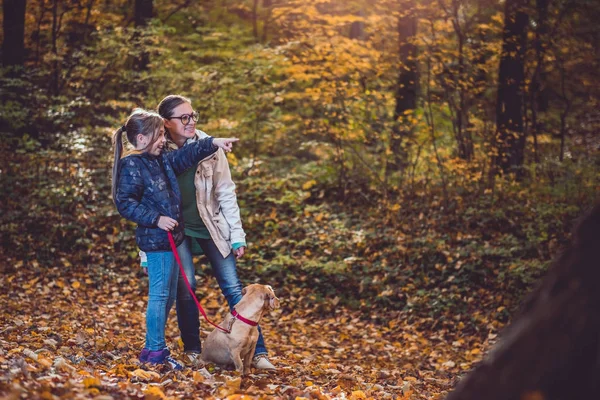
(147, 123)
(169, 103)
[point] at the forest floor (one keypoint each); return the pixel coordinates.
(66, 333)
(399, 306)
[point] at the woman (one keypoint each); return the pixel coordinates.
(212, 222)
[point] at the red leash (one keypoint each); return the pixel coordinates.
(189, 287)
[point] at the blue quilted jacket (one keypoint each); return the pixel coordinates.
(147, 189)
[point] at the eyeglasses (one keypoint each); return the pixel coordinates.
(186, 118)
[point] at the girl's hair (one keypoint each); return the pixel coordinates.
(147, 123)
(167, 105)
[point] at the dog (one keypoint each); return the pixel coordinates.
(237, 347)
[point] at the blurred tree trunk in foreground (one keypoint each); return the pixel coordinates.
(552, 348)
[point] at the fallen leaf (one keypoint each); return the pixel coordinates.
(145, 375)
(154, 393)
(92, 382)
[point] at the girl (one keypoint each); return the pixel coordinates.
(145, 191)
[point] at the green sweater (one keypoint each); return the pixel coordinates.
(194, 226)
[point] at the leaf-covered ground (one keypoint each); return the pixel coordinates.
(399, 305)
(70, 332)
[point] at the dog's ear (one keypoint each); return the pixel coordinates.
(244, 290)
(270, 299)
(274, 302)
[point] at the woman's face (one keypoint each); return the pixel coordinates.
(177, 130)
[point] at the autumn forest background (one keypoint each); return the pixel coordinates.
(407, 170)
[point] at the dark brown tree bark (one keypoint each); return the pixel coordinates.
(407, 87)
(142, 12)
(13, 45)
(357, 29)
(142, 15)
(564, 97)
(537, 102)
(55, 66)
(551, 350)
(509, 107)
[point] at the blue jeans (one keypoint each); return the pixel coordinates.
(224, 269)
(163, 274)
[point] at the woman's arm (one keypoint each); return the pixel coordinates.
(227, 198)
(130, 190)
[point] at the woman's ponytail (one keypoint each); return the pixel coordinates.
(118, 143)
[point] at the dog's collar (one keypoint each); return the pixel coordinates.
(237, 315)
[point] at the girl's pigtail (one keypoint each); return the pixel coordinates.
(118, 143)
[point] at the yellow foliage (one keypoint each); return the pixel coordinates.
(309, 184)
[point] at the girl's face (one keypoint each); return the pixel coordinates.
(178, 131)
(157, 147)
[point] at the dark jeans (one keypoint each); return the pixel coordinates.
(224, 269)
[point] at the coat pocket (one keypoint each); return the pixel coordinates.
(222, 225)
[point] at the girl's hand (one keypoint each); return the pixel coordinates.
(167, 223)
(225, 143)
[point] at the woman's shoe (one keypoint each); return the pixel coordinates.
(193, 359)
(261, 361)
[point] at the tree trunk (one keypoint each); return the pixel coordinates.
(142, 14)
(267, 16)
(406, 90)
(54, 40)
(465, 145)
(37, 33)
(536, 100)
(13, 45)
(551, 350)
(255, 19)
(509, 107)
(357, 29)
(565, 112)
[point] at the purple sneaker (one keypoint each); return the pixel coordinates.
(164, 357)
(144, 355)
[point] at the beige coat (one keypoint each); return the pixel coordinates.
(217, 201)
